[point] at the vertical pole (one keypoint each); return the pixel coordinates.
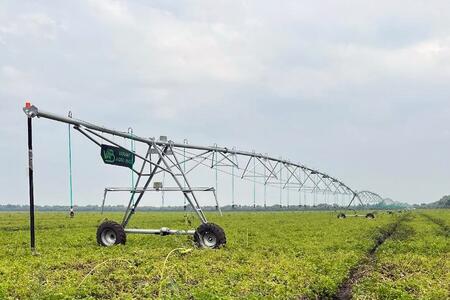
(185, 141)
(305, 200)
(31, 185)
(314, 195)
(70, 170)
(162, 192)
(287, 199)
(217, 175)
(281, 185)
(254, 180)
(336, 199)
(287, 190)
(265, 188)
(232, 182)
(299, 190)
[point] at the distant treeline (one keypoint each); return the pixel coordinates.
(94, 208)
(443, 203)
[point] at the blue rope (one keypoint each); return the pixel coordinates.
(133, 150)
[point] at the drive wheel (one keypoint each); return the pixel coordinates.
(341, 216)
(370, 216)
(110, 233)
(210, 235)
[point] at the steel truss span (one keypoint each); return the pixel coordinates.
(370, 198)
(180, 159)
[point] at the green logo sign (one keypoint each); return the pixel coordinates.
(116, 156)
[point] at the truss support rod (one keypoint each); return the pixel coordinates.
(268, 177)
(265, 167)
(104, 199)
(217, 203)
(86, 135)
(130, 213)
(355, 195)
(199, 162)
(190, 158)
(324, 182)
(227, 158)
(292, 175)
(246, 167)
(133, 192)
(192, 201)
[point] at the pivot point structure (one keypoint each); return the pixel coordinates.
(207, 235)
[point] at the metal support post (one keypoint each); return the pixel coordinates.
(30, 181)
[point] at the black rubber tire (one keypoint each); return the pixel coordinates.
(370, 216)
(341, 216)
(115, 229)
(214, 231)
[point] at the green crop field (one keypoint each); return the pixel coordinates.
(282, 255)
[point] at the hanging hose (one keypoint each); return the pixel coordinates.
(185, 141)
(254, 180)
(265, 190)
(133, 150)
(281, 185)
(71, 212)
(233, 205)
(217, 175)
(162, 192)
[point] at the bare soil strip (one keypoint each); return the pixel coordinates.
(356, 273)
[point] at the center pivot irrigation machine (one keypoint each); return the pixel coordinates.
(178, 160)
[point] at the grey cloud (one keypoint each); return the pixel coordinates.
(356, 88)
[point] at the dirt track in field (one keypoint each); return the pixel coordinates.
(345, 289)
(444, 228)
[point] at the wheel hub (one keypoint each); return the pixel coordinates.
(209, 239)
(108, 237)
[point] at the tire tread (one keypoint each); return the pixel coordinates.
(121, 236)
(213, 228)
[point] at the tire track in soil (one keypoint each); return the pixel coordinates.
(359, 271)
(444, 227)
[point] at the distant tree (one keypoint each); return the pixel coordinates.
(444, 202)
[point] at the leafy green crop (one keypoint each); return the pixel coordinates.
(283, 255)
(413, 264)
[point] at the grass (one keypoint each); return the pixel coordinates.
(283, 255)
(414, 263)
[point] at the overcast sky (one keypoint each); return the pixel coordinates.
(358, 89)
